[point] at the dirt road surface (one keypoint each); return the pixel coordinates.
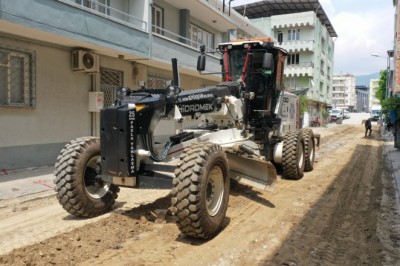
(342, 213)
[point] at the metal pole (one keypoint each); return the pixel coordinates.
(387, 78)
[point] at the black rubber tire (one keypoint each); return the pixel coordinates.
(309, 149)
(78, 190)
(200, 191)
(293, 160)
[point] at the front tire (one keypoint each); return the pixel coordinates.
(200, 191)
(293, 160)
(79, 190)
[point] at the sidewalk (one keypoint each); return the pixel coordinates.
(24, 182)
(392, 156)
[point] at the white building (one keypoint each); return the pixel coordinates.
(344, 91)
(362, 99)
(305, 31)
(373, 87)
(55, 53)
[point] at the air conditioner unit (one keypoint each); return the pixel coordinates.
(84, 61)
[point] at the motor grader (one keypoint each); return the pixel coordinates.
(240, 129)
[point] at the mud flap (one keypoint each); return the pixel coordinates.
(252, 172)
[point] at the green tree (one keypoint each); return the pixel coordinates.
(304, 104)
(391, 104)
(380, 93)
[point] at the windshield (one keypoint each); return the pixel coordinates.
(336, 112)
(375, 112)
(237, 61)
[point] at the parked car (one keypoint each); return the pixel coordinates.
(375, 113)
(346, 114)
(336, 115)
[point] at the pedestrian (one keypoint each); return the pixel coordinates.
(368, 126)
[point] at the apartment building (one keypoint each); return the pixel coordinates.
(394, 80)
(344, 92)
(61, 61)
(304, 30)
(362, 99)
(373, 87)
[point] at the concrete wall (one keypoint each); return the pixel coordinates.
(61, 111)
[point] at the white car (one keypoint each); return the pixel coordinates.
(336, 115)
(346, 114)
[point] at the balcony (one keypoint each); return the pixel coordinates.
(102, 29)
(297, 70)
(303, 19)
(109, 12)
(92, 26)
(298, 46)
(166, 45)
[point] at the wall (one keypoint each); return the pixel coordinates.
(61, 111)
(171, 17)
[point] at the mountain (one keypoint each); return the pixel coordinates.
(364, 79)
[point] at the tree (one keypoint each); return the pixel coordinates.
(304, 103)
(380, 93)
(391, 104)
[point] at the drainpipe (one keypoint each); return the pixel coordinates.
(149, 29)
(92, 114)
(230, 7)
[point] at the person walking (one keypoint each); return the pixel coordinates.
(368, 126)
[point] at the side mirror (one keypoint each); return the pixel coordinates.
(201, 62)
(268, 61)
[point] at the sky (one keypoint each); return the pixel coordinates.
(364, 27)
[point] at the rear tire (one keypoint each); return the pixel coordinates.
(79, 190)
(200, 191)
(293, 160)
(309, 149)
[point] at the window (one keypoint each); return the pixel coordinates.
(294, 35)
(293, 59)
(157, 19)
(17, 85)
(280, 37)
(101, 6)
(199, 36)
(110, 81)
(322, 68)
(292, 82)
(156, 82)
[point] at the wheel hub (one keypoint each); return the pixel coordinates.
(94, 186)
(214, 190)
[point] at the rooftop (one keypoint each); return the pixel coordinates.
(267, 8)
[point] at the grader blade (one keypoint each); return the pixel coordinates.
(252, 172)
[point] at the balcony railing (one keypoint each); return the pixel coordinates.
(108, 12)
(121, 17)
(298, 45)
(302, 69)
(161, 32)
